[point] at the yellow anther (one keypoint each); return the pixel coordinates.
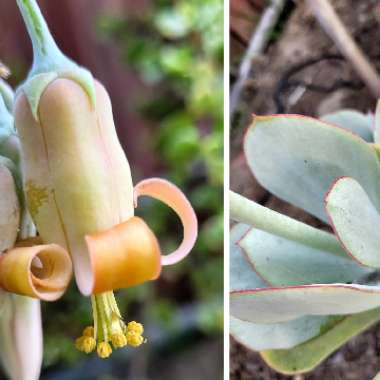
(79, 343)
(88, 331)
(134, 339)
(104, 350)
(89, 344)
(136, 327)
(109, 330)
(85, 344)
(118, 340)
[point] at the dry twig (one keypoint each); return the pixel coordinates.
(257, 44)
(336, 30)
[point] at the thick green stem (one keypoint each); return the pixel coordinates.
(246, 211)
(44, 46)
(48, 59)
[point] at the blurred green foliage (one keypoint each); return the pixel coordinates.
(176, 48)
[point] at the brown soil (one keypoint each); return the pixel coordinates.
(302, 40)
(359, 359)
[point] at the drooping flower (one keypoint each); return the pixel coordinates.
(79, 188)
(37, 271)
(27, 267)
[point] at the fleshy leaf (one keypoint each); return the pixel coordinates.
(264, 336)
(242, 275)
(297, 158)
(352, 121)
(308, 355)
(274, 305)
(355, 220)
(283, 335)
(376, 132)
(284, 262)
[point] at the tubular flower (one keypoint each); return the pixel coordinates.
(27, 267)
(20, 317)
(79, 188)
(38, 271)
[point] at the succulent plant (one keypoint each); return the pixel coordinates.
(297, 292)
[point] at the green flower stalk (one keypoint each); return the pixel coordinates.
(79, 189)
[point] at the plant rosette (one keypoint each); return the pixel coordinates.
(297, 292)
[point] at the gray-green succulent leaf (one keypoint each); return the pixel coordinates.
(264, 336)
(298, 292)
(283, 262)
(353, 121)
(298, 159)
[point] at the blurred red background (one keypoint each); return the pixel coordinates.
(72, 23)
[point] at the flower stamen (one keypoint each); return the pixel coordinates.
(104, 350)
(109, 328)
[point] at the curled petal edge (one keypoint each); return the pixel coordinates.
(172, 196)
(39, 271)
(126, 255)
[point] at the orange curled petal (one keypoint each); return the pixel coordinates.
(128, 254)
(40, 271)
(171, 195)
